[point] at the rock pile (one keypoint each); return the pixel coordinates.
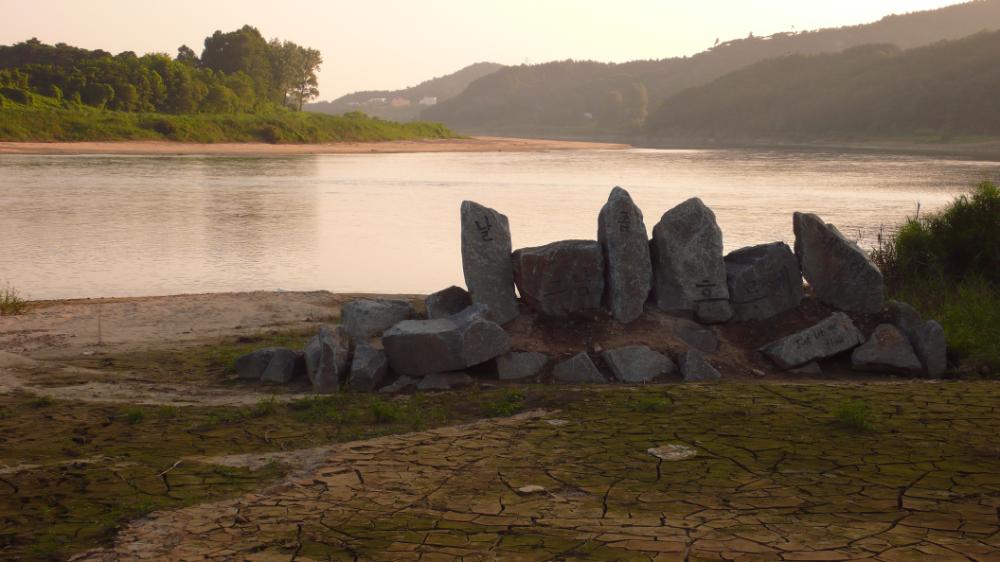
(681, 270)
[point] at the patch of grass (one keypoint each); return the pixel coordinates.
(315, 409)
(507, 404)
(40, 402)
(650, 403)
(385, 412)
(11, 302)
(855, 415)
(264, 408)
(131, 415)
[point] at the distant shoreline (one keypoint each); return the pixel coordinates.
(474, 144)
(984, 150)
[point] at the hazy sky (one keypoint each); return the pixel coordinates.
(390, 44)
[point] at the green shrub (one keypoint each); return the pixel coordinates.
(855, 415)
(11, 302)
(507, 404)
(163, 126)
(271, 134)
(385, 412)
(17, 95)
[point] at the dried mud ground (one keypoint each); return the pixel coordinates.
(142, 448)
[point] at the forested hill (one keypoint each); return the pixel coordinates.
(591, 99)
(948, 89)
(405, 104)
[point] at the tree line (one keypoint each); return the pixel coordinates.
(238, 71)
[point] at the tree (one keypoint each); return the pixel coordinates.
(186, 55)
(305, 85)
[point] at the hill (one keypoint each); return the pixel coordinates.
(407, 106)
(943, 90)
(591, 99)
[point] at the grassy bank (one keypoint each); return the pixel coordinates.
(48, 120)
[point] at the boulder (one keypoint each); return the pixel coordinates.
(368, 318)
(518, 365)
(811, 368)
(445, 381)
(561, 279)
(272, 364)
(447, 302)
(927, 338)
(833, 335)
(629, 273)
(578, 369)
(368, 368)
(694, 368)
(839, 272)
(637, 363)
(422, 347)
(697, 336)
(327, 356)
(763, 281)
(888, 351)
(688, 272)
(486, 261)
(401, 384)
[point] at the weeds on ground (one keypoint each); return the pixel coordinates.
(11, 302)
(385, 412)
(507, 404)
(855, 415)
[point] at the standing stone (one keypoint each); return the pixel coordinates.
(888, 350)
(486, 261)
(327, 357)
(518, 365)
(622, 235)
(368, 368)
(422, 347)
(561, 279)
(367, 318)
(839, 271)
(637, 363)
(578, 369)
(694, 368)
(927, 338)
(833, 335)
(763, 281)
(688, 272)
(446, 302)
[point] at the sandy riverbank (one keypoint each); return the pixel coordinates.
(474, 144)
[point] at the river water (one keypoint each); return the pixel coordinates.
(89, 226)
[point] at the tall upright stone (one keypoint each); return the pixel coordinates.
(838, 270)
(562, 278)
(327, 358)
(688, 272)
(486, 250)
(629, 271)
(764, 281)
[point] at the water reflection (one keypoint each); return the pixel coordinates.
(133, 225)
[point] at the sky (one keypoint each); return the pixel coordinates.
(393, 44)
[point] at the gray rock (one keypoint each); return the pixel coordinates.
(561, 279)
(272, 364)
(688, 272)
(629, 273)
(327, 356)
(446, 302)
(637, 363)
(927, 338)
(422, 347)
(486, 260)
(367, 318)
(518, 365)
(888, 350)
(368, 368)
(811, 368)
(833, 335)
(401, 384)
(445, 381)
(763, 281)
(697, 336)
(578, 369)
(839, 271)
(694, 368)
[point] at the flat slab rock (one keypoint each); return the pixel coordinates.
(489, 274)
(688, 272)
(694, 368)
(835, 334)
(637, 363)
(888, 350)
(839, 272)
(763, 281)
(367, 318)
(423, 347)
(579, 369)
(445, 381)
(622, 235)
(561, 279)
(519, 365)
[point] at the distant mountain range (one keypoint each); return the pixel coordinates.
(406, 104)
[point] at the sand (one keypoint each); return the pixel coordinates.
(474, 144)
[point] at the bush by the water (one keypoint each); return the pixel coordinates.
(947, 265)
